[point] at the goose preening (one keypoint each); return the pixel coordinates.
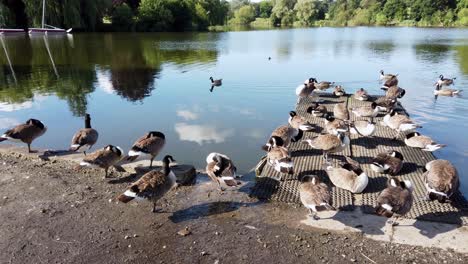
(394, 91)
(323, 85)
(441, 180)
(333, 125)
(315, 195)
(286, 134)
(395, 200)
(386, 104)
(104, 158)
(349, 176)
(304, 90)
(446, 91)
(317, 110)
(298, 122)
(25, 133)
(445, 81)
(361, 95)
(390, 82)
(280, 158)
(370, 111)
(148, 145)
(221, 169)
(389, 162)
(388, 76)
(329, 143)
(362, 127)
(399, 123)
(339, 91)
(152, 186)
(341, 112)
(85, 138)
(416, 140)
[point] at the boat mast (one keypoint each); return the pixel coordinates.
(43, 13)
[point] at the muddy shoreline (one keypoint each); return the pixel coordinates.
(53, 213)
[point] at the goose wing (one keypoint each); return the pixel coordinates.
(86, 136)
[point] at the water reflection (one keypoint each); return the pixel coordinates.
(432, 52)
(382, 49)
(202, 134)
(462, 57)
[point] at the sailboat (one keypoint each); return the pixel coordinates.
(47, 29)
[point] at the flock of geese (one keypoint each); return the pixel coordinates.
(441, 178)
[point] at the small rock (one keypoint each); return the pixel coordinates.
(129, 246)
(110, 200)
(352, 260)
(217, 233)
(5, 197)
(203, 253)
(184, 232)
(164, 247)
(216, 261)
(126, 237)
(135, 235)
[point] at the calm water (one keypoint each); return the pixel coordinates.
(133, 83)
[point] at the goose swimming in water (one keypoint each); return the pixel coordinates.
(446, 91)
(445, 81)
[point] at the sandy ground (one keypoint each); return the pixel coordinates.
(50, 212)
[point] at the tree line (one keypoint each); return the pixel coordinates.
(192, 15)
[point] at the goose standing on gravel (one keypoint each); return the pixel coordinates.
(334, 126)
(341, 112)
(25, 133)
(221, 169)
(152, 186)
(286, 134)
(395, 200)
(317, 110)
(416, 140)
(148, 145)
(339, 91)
(399, 123)
(304, 90)
(280, 158)
(444, 81)
(103, 158)
(441, 180)
(329, 143)
(298, 122)
(362, 127)
(361, 95)
(349, 176)
(394, 91)
(315, 195)
(389, 162)
(370, 111)
(390, 82)
(388, 76)
(446, 91)
(85, 138)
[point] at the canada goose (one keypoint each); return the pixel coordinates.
(85, 138)
(441, 180)
(339, 91)
(388, 76)
(389, 162)
(394, 91)
(152, 186)
(317, 110)
(148, 145)
(220, 168)
(304, 90)
(103, 158)
(280, 159)
(333, 125)
(217, 82)
(445, 81)
(329, 143)
(446, 91)
(299, 122)
(341, 112)
(287, 135)
(321, 85)
(349, 176)
(395, 200)
(362, 127)
(385, 104)
(366, 110)
(416, 140)
(361, 95)
(315, 195)
(25, 133)
(399, 123)
(390, 82)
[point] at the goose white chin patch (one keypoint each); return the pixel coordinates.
(87, 164)
(377, 168)
(133, 153)
(130, 194)
(393, 183)
(387, 207)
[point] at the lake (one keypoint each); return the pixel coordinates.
(132, 83)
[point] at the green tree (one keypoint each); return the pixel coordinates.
(244, 15)
(306, 11)
(154, 15)
(395, 9)
(122, 18)
(265, 8)
(283, 12)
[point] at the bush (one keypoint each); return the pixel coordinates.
(122, 18)
(244, 15)
(154, 15)
(462, 17)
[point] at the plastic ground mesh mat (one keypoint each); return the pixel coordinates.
(306, 162)
(365, 148)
